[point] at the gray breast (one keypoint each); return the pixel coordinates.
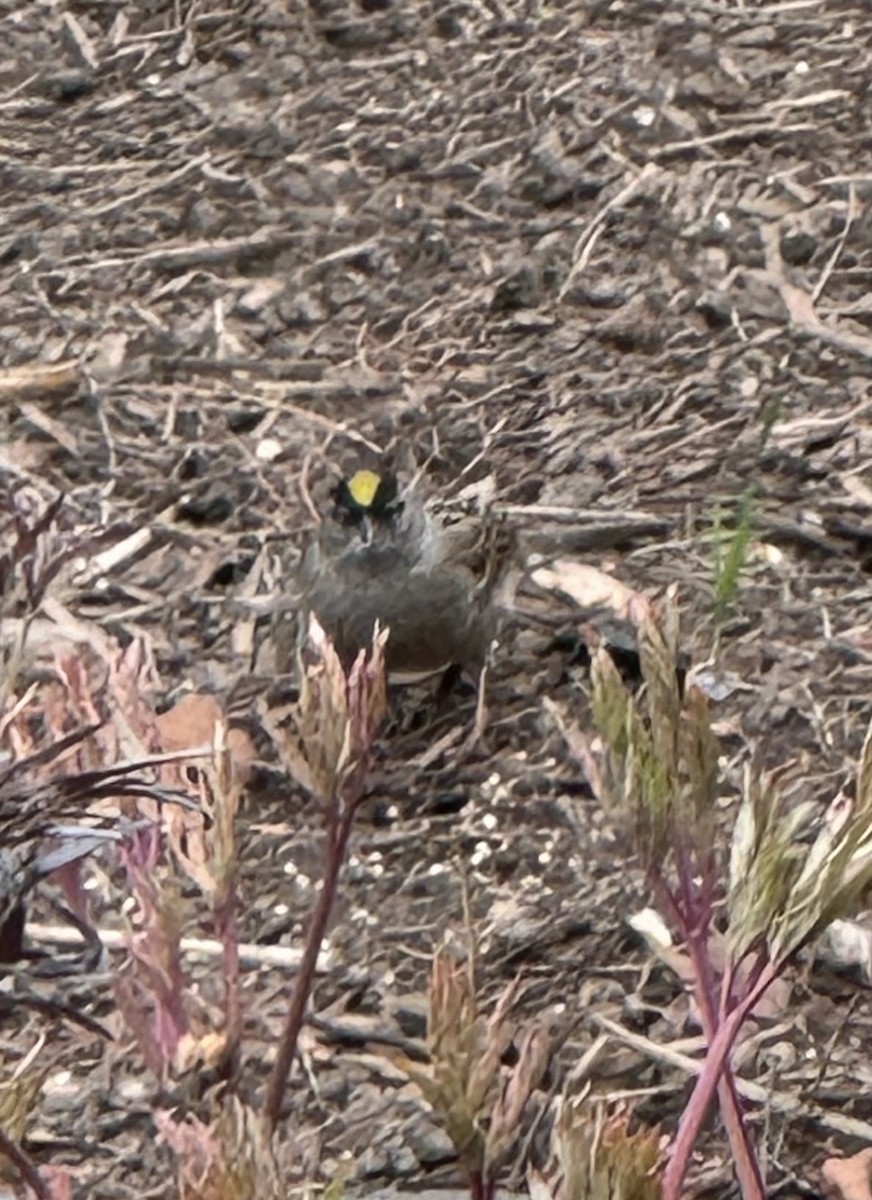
(433, 618)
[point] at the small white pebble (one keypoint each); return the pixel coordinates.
(749, 387)
(268, 449)
(489, 821)
(436, 869)
(644, 115)
(281, 910)
(290, 868)
(722, 222)
(57, 1081)
(135, 1089)
(802, 67)
(650, 925)
(544, 858)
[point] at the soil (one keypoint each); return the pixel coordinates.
(613, 257)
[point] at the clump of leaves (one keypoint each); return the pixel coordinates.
(203, 841)
(49, 817)
(231, 1158)
(596, 1157)
(154, 991)
(480, 1100)
(658, 768)
(325, 742)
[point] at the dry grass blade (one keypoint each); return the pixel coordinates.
(19, 1091)
(600, 1159)
(480, 1100)
(534, 1055)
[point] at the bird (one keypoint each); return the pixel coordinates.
(428, 570)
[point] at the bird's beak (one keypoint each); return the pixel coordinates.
(366, 528)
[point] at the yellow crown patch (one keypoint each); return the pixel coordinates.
(362, 487)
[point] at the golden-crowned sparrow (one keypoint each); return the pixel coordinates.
(429, 574)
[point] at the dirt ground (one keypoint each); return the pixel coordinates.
(616, 255)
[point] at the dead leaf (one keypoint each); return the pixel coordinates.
(848, 1178)
(586, 585)
(192, 722)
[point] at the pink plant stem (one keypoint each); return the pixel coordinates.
(706, 1085)
(338, 831)
(481, 1187)
(691, 915)
(227, 927)
(745, 1160)
(25, 1166)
